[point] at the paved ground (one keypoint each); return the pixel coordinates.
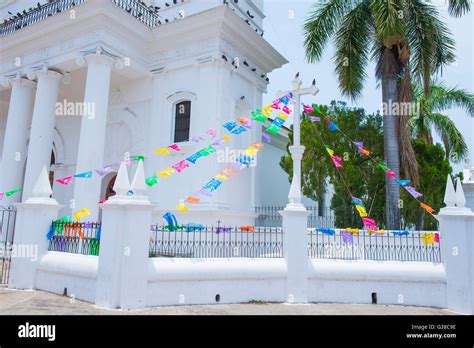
(14, 302)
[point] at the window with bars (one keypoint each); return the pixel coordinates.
(182, 120)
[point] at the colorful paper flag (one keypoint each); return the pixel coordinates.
(138, 158)
(403, 182)
(230, 125)
(166, 173)
(412, 191)
(103, 171)
(203, 192)
(314, 119)
(332, 126)
(1, 195)
(400, 233)
(391, 174)
(328, 231)
(11, 192)
(182, 207)
(266, 137)
(180, 166)
(283, 116)
(273, 129)
(207, 151)
(212, 185)
(162, 151)
(81, 213)
(369, 223)
(152, 180)
(428, 238)
(347, 237)
(361, 210)
(175, 147)
(84, 175)
(192, 200)
(65, 181)
(286, 110)
(308, 109)
(193, 158)
(337, 161)
(196, 139)
(238, 130)
(426, 207)
(212, 132)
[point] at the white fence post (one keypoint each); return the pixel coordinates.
(34, 218)
(124, 245)
(457, 227)
(295, 251)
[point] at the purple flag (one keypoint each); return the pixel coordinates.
(314, 119)
(412, 191)
(347, 237)
(103, 171)
(266, 137)
(203, 192)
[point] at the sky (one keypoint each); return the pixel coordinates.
(283, 27)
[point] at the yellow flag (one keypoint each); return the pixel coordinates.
(226, 138)
(81, 213)
(162, 151)
(428, 238)
(361, 211)
(221, 177)
(166, 173)
(331, 152)
(282, 115)
(182, 207)
(352, 230)
(267, 110)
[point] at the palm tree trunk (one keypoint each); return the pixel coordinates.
(391, 150)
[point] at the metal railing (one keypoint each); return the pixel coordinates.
(7, 229)
(216, 242)
(140, 11)
(269, 216)
(406, 246)
(75, 237)
(36, 14)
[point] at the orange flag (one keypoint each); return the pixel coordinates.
(427, 208)
(192, 200)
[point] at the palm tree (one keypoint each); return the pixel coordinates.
(430, 117)
(406, 38)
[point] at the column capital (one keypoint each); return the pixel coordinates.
(48, 73)
(100, 55)
(18, 79)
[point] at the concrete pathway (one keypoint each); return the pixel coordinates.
(22, 302)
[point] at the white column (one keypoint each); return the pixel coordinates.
(42, 127)
(124, 246)
(16, 137)
(33, 220)
(92, 137)
(295, 252)
(457, 242)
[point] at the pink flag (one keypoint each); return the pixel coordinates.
(369, 223)
(391, 174)
(180, 166)
(65, 181)
(337, 161)
(276, 105)
(286, 110)
(212, 132)
(308, 109)
(436, 237)
(1, 195)
(174, 147)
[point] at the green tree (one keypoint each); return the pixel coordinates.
(405, 38)
(359, 176)
(430, 116)
(434, 168)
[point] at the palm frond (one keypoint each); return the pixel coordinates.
(455, 144)
(352, 49)
(322, 24)
(430, 41)
(443, 98)
(457, 8)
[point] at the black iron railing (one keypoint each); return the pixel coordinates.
(140, 11)
(75, 237)
(269, 216)
(36, 14)
(214, 242)
(389, 246)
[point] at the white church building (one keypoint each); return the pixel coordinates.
(88, 83)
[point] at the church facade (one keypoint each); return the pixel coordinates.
(87, 84)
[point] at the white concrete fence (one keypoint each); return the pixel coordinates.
(124, 276)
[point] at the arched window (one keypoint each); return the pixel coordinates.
(182, 121)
